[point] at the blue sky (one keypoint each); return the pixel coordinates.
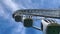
(7, 7)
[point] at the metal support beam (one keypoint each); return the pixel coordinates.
(40, 12)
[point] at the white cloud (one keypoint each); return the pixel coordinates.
(14, 6)
(19, 29)
(11, 4)
(2, 12)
